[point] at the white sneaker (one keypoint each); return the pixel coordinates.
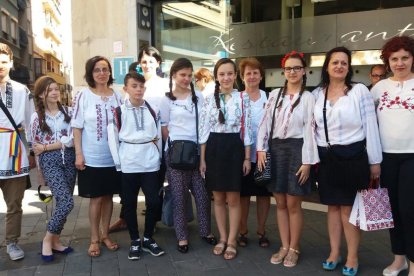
(14, 251)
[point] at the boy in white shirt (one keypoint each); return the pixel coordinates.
(138, 157)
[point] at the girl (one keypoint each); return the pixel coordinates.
(293, 150)
(49, 134)
(225, 125)
(178, 120)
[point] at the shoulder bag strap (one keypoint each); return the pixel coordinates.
(273, 120)
(196, 111)
(325, 125)
(9, 116)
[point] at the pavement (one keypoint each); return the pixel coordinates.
(374, 252)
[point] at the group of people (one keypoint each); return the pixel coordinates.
(119, 145)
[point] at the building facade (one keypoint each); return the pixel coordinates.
(16, 31)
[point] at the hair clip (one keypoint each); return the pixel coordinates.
(139, 69)
(288, 55)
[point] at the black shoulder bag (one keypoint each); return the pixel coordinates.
(184, 154)
(263, 177)
(9, 116)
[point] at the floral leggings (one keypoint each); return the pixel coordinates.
(61, 180)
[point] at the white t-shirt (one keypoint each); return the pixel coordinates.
(395, 112)
(92, 114)
(351, 119)
(155, 89)
(179, 117)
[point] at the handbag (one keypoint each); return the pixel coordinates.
(167, 215)
(372, 210)
(263, 177)
(184, 154)
(9, 116)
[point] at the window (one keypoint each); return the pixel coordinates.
(4, 23)
(13, 30)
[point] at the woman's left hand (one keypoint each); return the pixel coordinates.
(38, 149)
(247, 166)
(303, 173)
(375, 171)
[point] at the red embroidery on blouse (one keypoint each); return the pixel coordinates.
(396, 103)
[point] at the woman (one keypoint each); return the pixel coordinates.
(225, 125)
(293, 151)
(49, 134)
(346, 132)
(204, 81)
(149, 62)
(251, 73)
(97, 177)
(178, 120)
(396, 121)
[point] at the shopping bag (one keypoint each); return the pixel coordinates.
(167, 216)
(354, 216)
(374, 210)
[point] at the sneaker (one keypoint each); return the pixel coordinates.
(14, 251)
(135, 250)
(150, 246)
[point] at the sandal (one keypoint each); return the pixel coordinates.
(291, 258)
(242, 240)
(113, 246)
(210, 239)
(94, 250)
(278, 257)
(230, 252)
(263, 241)
(219, 248)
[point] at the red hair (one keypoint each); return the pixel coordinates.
(394, 45)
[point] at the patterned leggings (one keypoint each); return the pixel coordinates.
(180, 182)
(61, 180)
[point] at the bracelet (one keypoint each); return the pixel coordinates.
(246, 159)
(44, 147)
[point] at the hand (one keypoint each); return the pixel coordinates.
(261, 160)
(203, 168)
(247, 166)
(38, 149)
(303, 173)
(80, 161)
(375, 171)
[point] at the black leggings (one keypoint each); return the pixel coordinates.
(397, 174)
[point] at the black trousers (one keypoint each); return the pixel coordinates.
(131, 184)
(397, 174)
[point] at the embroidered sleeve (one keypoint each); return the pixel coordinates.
(78, 116)
(309, 150)
(165, 111)
(204, 127)
(370, 125)
(248, 131)
(264, 127)
(34, 134)
(29, 109)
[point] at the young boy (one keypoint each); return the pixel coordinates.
(138, 157)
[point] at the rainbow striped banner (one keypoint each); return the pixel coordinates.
(15, 151)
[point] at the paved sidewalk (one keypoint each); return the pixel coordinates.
(252, 260)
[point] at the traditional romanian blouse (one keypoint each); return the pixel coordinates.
(18, 100)
(395, 112)
(257, 110)
(351, 119)
(92, 114)
(288, 123)
(179, 117)
(232, 111)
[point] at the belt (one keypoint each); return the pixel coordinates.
(15, 150)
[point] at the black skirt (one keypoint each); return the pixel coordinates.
(224, 161)
(343, 171)
(96, 181)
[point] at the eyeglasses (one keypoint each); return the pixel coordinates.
(104, 70)
(378, 76)
(295, 69)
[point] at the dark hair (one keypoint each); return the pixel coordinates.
(5, 49)
(134, 75)
(378, 66)
(41, 87)
(304, 78)
(178, 64)
(133, 66)
(150, 51)
(325, 80)
(251, 62)
(394, 45)
(219, 63)
(90, 65)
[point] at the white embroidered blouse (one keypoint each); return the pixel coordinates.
(92, 114)
(179, 117)
(155, 89)
(233, 111)
(288, 123)
(351, 119)
(395, 112)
